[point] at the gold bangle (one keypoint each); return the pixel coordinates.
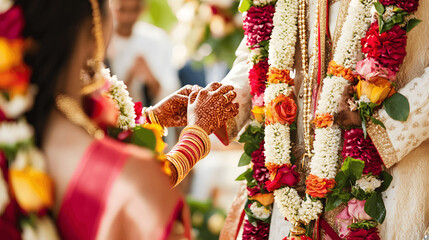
(198, 131)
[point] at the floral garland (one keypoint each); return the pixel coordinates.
(258, 25)
(327, 135)
(361, 179)
(26, 190)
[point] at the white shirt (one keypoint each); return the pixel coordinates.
(151, 43)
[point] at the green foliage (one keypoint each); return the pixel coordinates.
(387, 179)
(252, 218)
(139, 136)
(398, 107)
(244, 160)
(201, 212)
(159, 13)
(412, 23)
(363, 225)
(375, 208)
(245, 5)
(351, 171)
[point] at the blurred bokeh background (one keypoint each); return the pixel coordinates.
(203, 36)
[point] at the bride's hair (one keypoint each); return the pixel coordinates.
(53, 25)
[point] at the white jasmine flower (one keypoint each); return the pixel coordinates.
(283, 37)
(18, 105)
(43, 229)
(260, 212)
(310, 210)
(326, 152)
(331, 92)
(289, 203)
(368, 183)
(277, 144)
(119, 93)
(31, 157)
(4, 194)
(388, 13)
(12, 133)
(354, 29)
(273, 90)
(261, 3)
(363, 99)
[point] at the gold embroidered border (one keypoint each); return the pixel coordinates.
(232, 221)
(383, 144)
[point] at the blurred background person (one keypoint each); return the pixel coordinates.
(141, 54)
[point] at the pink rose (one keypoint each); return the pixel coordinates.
(354, 210)
(370, 68)
(258, 100)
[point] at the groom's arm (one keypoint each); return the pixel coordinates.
(400, 138)
(238, 77)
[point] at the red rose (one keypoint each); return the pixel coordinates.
(408, 5)
(138, 108)
(363, 234)
(283, 176)
(387, 48)
(12, 23)
(257, 77)
(282, 110)
(357, 147)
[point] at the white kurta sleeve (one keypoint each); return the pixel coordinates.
(238, 77)
(400, 138)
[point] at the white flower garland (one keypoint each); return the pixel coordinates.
(12, 133)
(328, 140)
(326, 148)
(277, 144)
(273, 90)
(310, 210)
(261, 3)
(118, 92)
(289, 203)
(354, 29)
(283, 37)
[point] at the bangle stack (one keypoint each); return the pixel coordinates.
(150, 117)
(193, 145)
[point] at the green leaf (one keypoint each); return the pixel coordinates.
(356, 169)
(364, 224)
(341, 179)
(332, 202)
(379, 8)
(244, 160)
(364, 127)
(245, 5)
(375, 208)
(144, 137)
(387, 179)
(398, 107)
(377, 122)
(243, 175)
(249, 148)
(412, 23)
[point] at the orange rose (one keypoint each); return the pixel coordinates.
(323, 120)
(376, 90)
(279, 76)
(258, 113)
(340, 71)
(319, 187)
(282, 110)
(265, 199)
(33, 189)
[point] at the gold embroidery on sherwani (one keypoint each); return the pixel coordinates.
(382, 142)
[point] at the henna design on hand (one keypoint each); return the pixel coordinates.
(211, 107)
(172, 110)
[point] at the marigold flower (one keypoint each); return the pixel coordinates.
(265, 199)
(258, 113)
(323, 120)
(279, 76)
(319, 187)
(340, 71)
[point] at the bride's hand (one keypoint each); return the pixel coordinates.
(212, 107)
(172, 110)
